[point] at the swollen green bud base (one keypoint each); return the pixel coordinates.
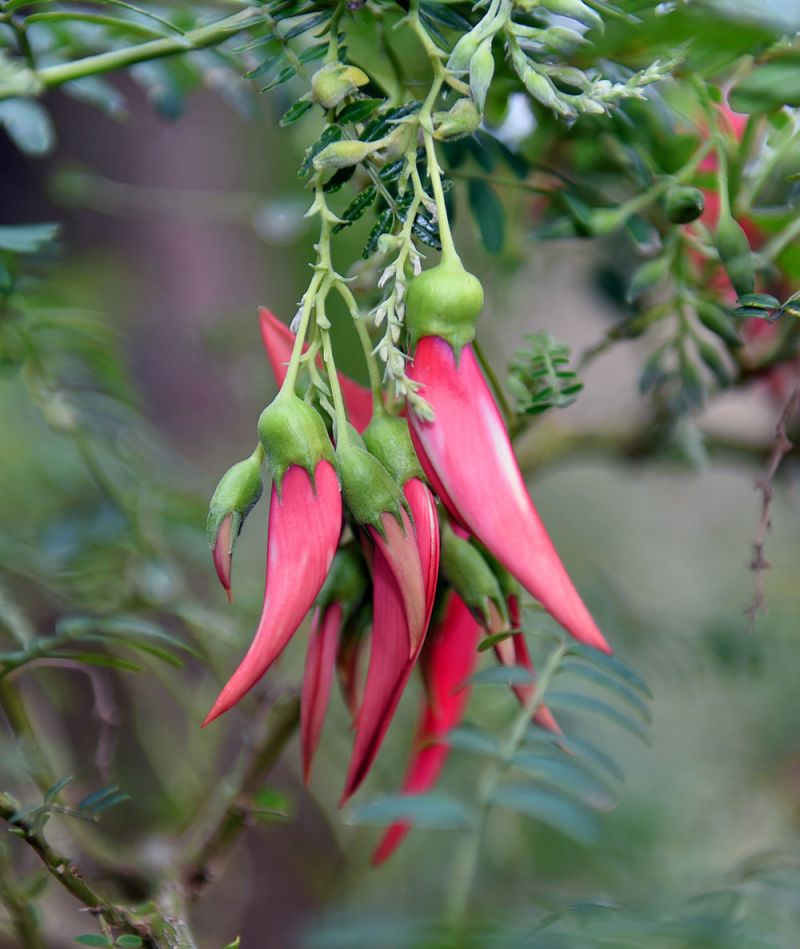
(444, 301)
(293, 433)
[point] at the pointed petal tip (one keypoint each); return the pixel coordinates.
(392, 839)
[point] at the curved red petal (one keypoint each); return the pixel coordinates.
(222, 554)
(426, 526)
(279, 342)
(450, 657)
(398, 545)
(466, 449)
(323, 645)
(304, 527)
(388, 671)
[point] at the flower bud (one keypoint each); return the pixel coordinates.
(368, 489)
(234, 498)
(293, 433)
(481, 71)
(461, 120)
(734, 252)
(444, 301)
(342, 155)
(684, 205)
(471, 577)
(387, 438)
(335, 82)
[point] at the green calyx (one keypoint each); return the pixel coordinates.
(293, 433)
(684, 205)
(235, 496)
(445, 301)
(368, 489)
(473, 579)
(386, 437)
(347, 581)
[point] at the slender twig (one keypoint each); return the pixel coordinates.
(201, 861)
(759, 564)
(62, 869)
(202, 37)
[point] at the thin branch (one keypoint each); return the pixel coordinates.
(759, 564)
(62, 869)
(37, 82)
(281, 724)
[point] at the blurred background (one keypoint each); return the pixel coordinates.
(173, 232)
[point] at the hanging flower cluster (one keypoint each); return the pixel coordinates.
(389, 520)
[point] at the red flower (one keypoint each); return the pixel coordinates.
(467, 455)
(278, 342)
(390, 664)
(448, 659)
(305, 520)
(323, 645)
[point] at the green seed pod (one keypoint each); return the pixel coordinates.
(293, 433)
(734, 252)
(718, 321)
(461, 120)
(334, 82)
(445, 301)
(684, 205)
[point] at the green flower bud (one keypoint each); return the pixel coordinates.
(734, 252)
(467, 571)
(717, 319)
(387, 438)
(342, 155)
(367, 487)
(293, 433)
(234, 498)
(684, 205)
(236, 494)
(445, 301)
(461, 120)
(481, 71)
(335, 82)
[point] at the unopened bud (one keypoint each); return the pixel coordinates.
(734, 252)
(334, 82)
(236, 495)
(462, 119)
(684, 205)
(342, 155)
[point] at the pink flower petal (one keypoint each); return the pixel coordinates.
(222, 554)
(467, 450)
(318, 679)
(398, 544)
(449, 658)
(388, 671)
(426, 526)
(304, 527)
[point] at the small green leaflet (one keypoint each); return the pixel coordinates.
(295, 112)
(27, 238)
(423, 810)
(357, 208)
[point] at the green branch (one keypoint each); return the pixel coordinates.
(37, 82)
